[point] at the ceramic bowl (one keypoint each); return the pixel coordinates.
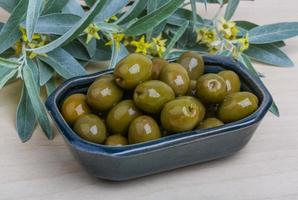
(167, 153)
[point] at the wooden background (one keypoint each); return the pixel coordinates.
(267, 168)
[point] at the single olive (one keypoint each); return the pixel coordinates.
(104, 93)
(90, 127)
(152, 95)
(211, 88)
(202, 109)
(133, 70)
(142, 129)
(210, 123)
(157, 65)
(180, 115)
(116, 140)
(232, 80)
(237, 106)
(73, 107)
(176, 77)
(193, 63)
(120, 116)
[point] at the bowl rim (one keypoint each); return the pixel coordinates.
(165, 142)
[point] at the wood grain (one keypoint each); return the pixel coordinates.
(267, 168)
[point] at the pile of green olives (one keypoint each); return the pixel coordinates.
(145, 99)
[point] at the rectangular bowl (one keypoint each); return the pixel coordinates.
(167, 153)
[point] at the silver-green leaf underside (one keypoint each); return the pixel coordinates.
(33, 93)
(153, 19)
(273, 32)
(33, 13)
(25, 117)
(72, 33)
(10, 31)
(133, 12)
(54, 6)
(231, 8)
(111, 8)
(45, 72)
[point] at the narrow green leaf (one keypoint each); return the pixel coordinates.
(25, 117)
(102, 53)
(7, 77)
(274, 109)
(273, 32)
(72, 33)
(231, 8)
(73, 7)
(109, 27)
(9, 63)
(182, 15)
(269, 54)
(117, 54)
(33, 12)
(176, 37)
(54, 6)
(77, 50)
(111, 8)
(38, 106)
(63, 63)
(51, 86)
(194, 13)
(134, 11)
(90, 2)
(8, 5)
(153, 19)
(45, 72)
(90, 47)
(56, 23)
(246, 25)
(10, 31)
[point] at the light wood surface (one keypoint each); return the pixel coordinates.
(267, 168)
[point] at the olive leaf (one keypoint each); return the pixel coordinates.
(90, 47)
(194, 12)
(8, 5)
(77, 50)
(73, 7)
(9, 63)
(273, 32)
(50, 86)
(45, 72)
(110, 9)
(268, 53)
(153, 19)
(6, 75)
(182, 15)
(25, 117)
(33, 12)
(274, 109)
(231, 8)
(72, 33)
(175, 38)
(33, 93)
(56, 23)
(134, 11)
(54, 6)
(10, 31)
(63, 63)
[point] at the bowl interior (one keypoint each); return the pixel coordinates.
(213, 64)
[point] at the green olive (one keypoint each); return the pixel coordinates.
(157, 65)
(237, 106)
(90, 127)
(143, 129)
(151, 96)
(133, 70)
(192, 88)
(176, 77)
(193, 63)
(116, 140)
(211, 88)
(210, 123)
(211, 110)
(120, 116)
(232, 80)
(104, 93)
(180, 115)
(73, 107)
(202, 109)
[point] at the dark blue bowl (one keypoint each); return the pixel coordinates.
(170, 152)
